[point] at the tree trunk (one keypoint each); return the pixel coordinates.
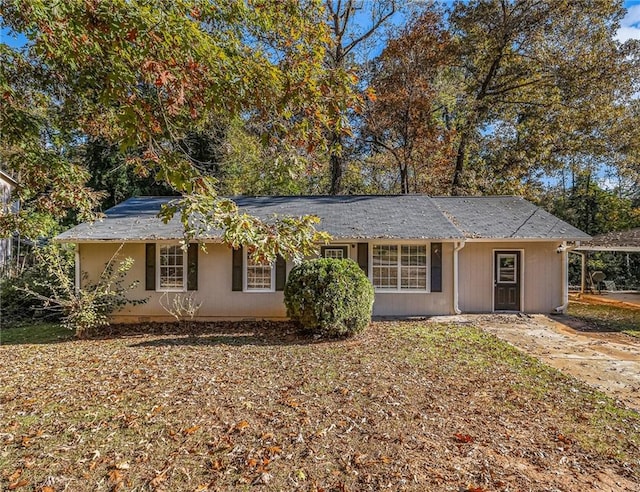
(404, 179)
(456, 186)
(335, 161)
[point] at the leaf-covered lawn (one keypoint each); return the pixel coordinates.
(406, 406)
(605, 317)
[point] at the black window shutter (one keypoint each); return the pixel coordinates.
(237, 269)
(150, 266)
(363, 257)
(281, 272)
(192, 266)
(436, 267)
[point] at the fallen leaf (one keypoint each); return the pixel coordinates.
(291, 403)
(464, 438)
(243, 424)
(190, 430)
(272, 450)
(564, 439)
(471, 488)
(15, 475)
(16, 485)
(158, 479)
(115, 476)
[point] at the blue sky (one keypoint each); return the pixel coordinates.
(630, 25)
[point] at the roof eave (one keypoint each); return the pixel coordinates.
(624, 249)
(523, 239)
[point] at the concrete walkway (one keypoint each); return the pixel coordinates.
(608, 361)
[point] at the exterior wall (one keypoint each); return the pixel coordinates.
(220, 302)
(541, 284)
(541, 276)
(214, 286)
(6, 243)
(418, 303)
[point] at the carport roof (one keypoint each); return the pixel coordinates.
(628, 241)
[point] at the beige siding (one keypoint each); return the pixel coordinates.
(5, 242)
(219, 301)
(419, 304)
(542, 276)
(214, 286)
(542, 284)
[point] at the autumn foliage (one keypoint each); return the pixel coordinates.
(406, 123)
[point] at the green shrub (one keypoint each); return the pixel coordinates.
(330, 297)
(38, 276)
(84, 309)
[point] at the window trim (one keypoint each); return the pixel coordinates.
(516, 272)
(245, 270)
(339, 247)
(398, 289)
(185, 268)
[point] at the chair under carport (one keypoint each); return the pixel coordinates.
(615, 242)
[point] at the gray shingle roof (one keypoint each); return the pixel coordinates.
(502, 217)
(350, 217)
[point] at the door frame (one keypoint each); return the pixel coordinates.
(493, 278)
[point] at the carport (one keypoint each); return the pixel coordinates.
(616, 242)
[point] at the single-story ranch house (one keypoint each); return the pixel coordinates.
(424, 255)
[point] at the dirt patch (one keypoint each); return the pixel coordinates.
(621, 300)
(607, 361)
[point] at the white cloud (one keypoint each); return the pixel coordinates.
(630, 25)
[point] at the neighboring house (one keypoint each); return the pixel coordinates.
(7, 184)
(424, 255)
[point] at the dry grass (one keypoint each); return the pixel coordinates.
(406, 406)
(607, 317)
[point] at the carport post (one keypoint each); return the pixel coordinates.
(583, 273)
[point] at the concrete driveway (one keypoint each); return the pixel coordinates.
(608, 361)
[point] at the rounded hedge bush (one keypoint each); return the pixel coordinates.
(330, 297)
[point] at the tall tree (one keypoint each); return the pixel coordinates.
(404, 118)
(144, 74)
(108, 171)
(37, 148)
(346, 19)
(540, 80)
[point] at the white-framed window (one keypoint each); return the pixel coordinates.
(507, 268)
(338, 252)
(258, 277)
(399, 267)
(172, 268)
